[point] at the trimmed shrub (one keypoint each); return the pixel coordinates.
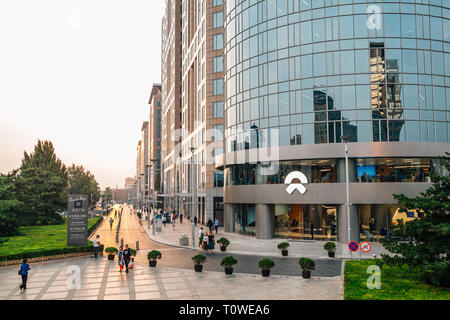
(266, 264)
(153, 255)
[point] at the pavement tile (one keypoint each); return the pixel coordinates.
(120, 290)
(55, 295)
(86, 293)
(148, 295)
(117, 297)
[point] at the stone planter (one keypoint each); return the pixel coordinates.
(306, 274)
(223, 248)
(284, 253)
(198, 268)
(265, 273)
(228, 270)
(111, 257)
(331, 254)
(152, 263)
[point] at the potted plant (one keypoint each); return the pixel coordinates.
(265, 265)
(228, 263)
(331, 248)
(284, 248)
(307, 266)
(199, 260)
(152, 256)
(224, 243)
(111, 251)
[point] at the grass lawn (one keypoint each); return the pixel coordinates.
(396, 284)
(37, 238)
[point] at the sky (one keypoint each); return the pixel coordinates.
(78, 73)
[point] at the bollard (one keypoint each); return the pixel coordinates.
(137, 245)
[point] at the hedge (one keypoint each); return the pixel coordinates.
(54, 252)
(94, 226)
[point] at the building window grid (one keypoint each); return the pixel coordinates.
(340, 84)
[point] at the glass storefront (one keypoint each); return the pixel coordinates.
(325, 171)
(244, 219)
(394, 170)
(318, 222)
(376, 221)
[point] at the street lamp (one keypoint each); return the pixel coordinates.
(347, 139)
(194, 196)
(153, 161)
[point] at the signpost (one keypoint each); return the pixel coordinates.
(366, 247)
(77, 220)
(353, 246)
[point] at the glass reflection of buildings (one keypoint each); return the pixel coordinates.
(386, 104)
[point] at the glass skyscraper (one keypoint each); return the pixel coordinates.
(316, 71)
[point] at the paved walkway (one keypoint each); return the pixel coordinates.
(180, 257)
(101, 280)
(244, 245)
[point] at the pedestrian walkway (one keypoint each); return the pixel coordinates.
(101, 280)
(245, 245)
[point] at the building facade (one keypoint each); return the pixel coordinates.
(154, 144)
(202, 106)
(303, 76)
(171, 66)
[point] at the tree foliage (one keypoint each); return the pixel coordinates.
(41, 186)
(9, 206)
(107, 195)
(427, 249)
(83, 182)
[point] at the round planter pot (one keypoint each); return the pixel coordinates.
(306, 274)
(152, 263)
(229, 270)
(198, 268)
(331, 254)
(285, 253)
(111, 257)
(265, 273)
(223, 249)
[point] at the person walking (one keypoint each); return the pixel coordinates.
(312, 231)
(120, 257)
(181, 218)
(96, 246)
(126, 257)
(24, 268)
(164, 220)
(210, 224)
(200, 237)
(211, 241)
(173, 224)
(111, 221)
(216, 225)
(205, 243)
(195, 220)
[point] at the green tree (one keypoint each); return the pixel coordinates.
(107, 195)
(41, 186)
(9, 206)
(427, 249)
(83, 182)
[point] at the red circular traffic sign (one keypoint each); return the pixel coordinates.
(353, 246)
(366, 247)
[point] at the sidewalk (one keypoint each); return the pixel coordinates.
(240, 244)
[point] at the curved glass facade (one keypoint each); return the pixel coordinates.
(316, 70)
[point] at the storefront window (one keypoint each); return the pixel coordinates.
(376, 221)
(300, 221)
(394, 170)
(245, 219)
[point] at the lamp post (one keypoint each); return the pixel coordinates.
(194, 196)
(346, 139)
(153, 161)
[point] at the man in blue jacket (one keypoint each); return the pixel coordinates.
(24, 268)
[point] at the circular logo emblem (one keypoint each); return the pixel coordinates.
(366, 247)
(353, 246)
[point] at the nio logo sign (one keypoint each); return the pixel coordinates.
(296, 175)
